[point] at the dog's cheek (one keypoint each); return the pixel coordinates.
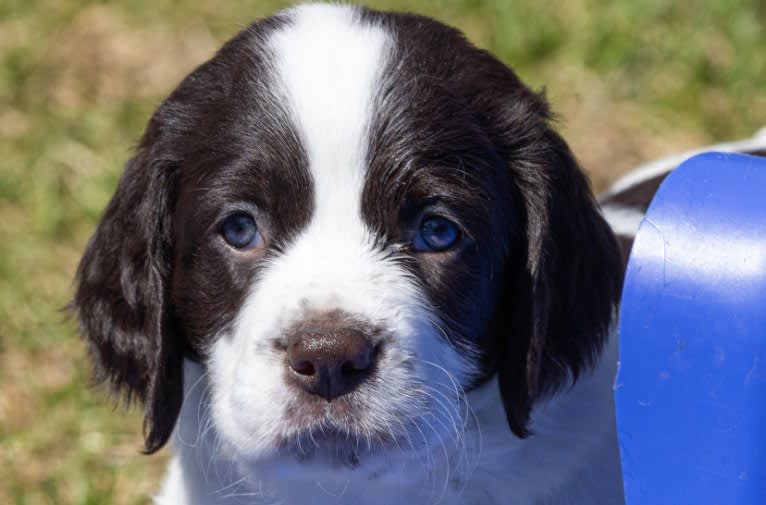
(248, 393)
(464, 287)
(209, 288)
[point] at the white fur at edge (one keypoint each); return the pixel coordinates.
(622, 219)
(625, 220)
(327, 68)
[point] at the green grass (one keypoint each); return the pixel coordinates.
(78, 80)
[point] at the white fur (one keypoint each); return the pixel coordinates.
(622, 219)
(455, 448)
(625, 220)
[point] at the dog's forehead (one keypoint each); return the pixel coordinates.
(334, 110)
(328, 64)
(327, 67)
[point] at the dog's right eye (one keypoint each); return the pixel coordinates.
(241, 232)
(436, 234)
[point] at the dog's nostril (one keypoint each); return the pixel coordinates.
(349, 368)
(303, 368)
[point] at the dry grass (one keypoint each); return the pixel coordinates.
(78, 80)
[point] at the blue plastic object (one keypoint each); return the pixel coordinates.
(691, 389)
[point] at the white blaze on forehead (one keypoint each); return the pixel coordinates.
(328, 64)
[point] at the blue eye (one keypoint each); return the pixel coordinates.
(436, 234)
(241, 232)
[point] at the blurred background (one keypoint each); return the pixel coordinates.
(631, 80)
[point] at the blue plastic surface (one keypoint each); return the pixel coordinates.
(691, 390)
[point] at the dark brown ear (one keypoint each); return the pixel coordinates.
(563, 295)
(124, 279)
(121, 295)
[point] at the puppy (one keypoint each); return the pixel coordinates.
(351, 262)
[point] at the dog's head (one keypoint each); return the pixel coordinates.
(348, 218)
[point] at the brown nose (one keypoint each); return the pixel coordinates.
(329, 363)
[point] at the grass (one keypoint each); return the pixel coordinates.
(631, 80)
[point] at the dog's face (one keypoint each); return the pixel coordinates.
(350, 219)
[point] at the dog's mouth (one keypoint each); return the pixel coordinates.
(338, 447)
(345, 435)
(344, 432)
(332, 456)
(351, 445)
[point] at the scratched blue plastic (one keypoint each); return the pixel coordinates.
(691, 391)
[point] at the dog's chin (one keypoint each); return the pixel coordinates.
(330, 455)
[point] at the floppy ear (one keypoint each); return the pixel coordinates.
(123, 283)
(563, 295)
(122, 298)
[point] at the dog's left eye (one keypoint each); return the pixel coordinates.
(436, 234)
(241, 232)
